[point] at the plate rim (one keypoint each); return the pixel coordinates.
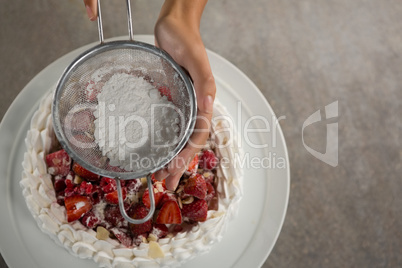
(282, 137)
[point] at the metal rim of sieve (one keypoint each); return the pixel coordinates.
(94, 52)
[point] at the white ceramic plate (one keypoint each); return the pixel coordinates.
(249, 238)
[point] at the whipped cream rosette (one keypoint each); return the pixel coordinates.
(171, 250)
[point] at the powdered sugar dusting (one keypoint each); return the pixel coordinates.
(79, 205)
(99, 210)
(134, 122)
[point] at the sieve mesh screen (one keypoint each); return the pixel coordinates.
(75, 101)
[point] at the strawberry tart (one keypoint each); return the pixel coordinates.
(79, 209)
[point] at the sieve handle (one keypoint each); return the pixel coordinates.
(130, 22)
(151, 198)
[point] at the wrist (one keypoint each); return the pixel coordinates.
(189, 11)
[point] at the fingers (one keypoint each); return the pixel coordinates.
(172, 181)
(178, 165)
(161, 174)
(197, 64)
(92, 10)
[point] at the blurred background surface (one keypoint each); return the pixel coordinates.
(302, 55)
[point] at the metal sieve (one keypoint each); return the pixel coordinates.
(73, 107)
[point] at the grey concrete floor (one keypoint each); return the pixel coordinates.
(302, 55)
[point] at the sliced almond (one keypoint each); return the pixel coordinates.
(102, 233)
(152, 237)
(144, 240)
(206, 174)
(180, 189)
(169, 191)
(144, 180)
(77, 179)
(188, 200)
(155, 250)
(159, 186)
(180, 203)
(225, 140)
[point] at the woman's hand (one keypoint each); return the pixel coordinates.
(177, 32)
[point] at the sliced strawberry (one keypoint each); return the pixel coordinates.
(58, 163)
(114, 217)
(165, 91)
(210, 192)
(84, 188)
(139, 211)
(209, 177)
(196, 186)
(178, 228)
(59, 183)
(92, 90)
(208, 160)
(70, 177)
(196, 211)
(159, 191)
(90, 220)
(82, 121)
(60, 198)
(160, 230)
(113, 197)
(84, 173)
(108, 185)
(167, 197)
(96, 194)
(70, 187)
(77, 206)
(122, 236)
(133, 186)
(193, 166)
(169, 213)
(213, 203)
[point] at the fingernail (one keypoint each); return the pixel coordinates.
(90, 14)
(208, 104)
